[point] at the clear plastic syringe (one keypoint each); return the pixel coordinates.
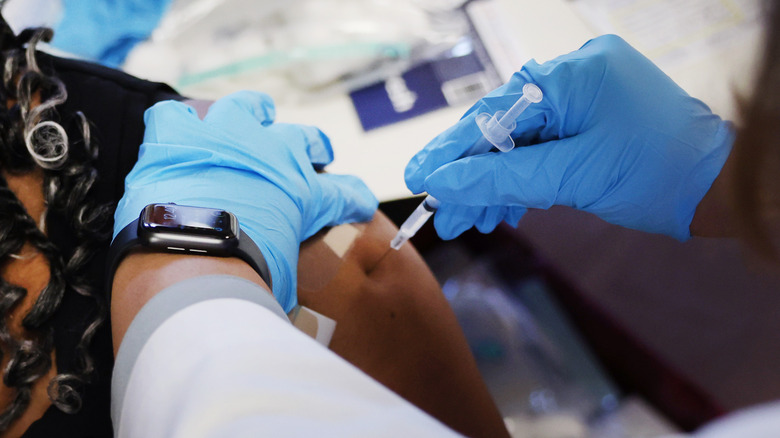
(497, 130)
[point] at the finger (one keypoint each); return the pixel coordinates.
(538, 122)
(562, 113)
(163, 116)
(541, 121)
(345, 199)
(315, 142)
(243, 108)
(514, 214)
(490, 218)
(446, 147)
(530, 176)
(451, 220)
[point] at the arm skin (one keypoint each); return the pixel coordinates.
(394, 323)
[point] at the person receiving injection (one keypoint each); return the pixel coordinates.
(613, 136)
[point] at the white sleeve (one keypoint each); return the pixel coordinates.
(213, 357)
(757, 422)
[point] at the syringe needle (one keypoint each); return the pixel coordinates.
(497, 129)
(379, 260)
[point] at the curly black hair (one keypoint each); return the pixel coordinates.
(32, 137)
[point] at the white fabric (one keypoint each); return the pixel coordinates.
(229, 367)
(758, 422)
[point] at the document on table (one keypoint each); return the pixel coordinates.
(673, 32)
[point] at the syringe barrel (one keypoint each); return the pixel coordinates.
(507, 121)
(420, 215)
(481, 146)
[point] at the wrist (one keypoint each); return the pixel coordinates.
(189, 230)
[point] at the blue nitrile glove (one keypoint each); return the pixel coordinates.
(613, 136)
(106, 30)
(239, 160)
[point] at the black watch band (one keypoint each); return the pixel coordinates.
(128, 239)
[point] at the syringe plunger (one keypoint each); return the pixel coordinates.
(497, 128)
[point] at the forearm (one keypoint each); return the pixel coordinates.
(142, 275)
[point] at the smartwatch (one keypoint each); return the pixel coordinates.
(183, 229)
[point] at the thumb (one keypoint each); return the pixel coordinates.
(530, 176)
(318, 146)
(451, 220)
(242, 108)
(345, 199)
(446, 147)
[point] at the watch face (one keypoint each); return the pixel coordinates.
(188, 227)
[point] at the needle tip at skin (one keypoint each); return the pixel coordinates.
(386, 253)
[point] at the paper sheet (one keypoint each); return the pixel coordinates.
(674, 32)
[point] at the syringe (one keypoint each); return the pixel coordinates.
(497, 129)
(415, 221)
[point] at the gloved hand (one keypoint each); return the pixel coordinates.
(613, 136)
(106, 30)
(239, 160)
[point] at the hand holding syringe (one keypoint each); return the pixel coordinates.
(497, 130)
